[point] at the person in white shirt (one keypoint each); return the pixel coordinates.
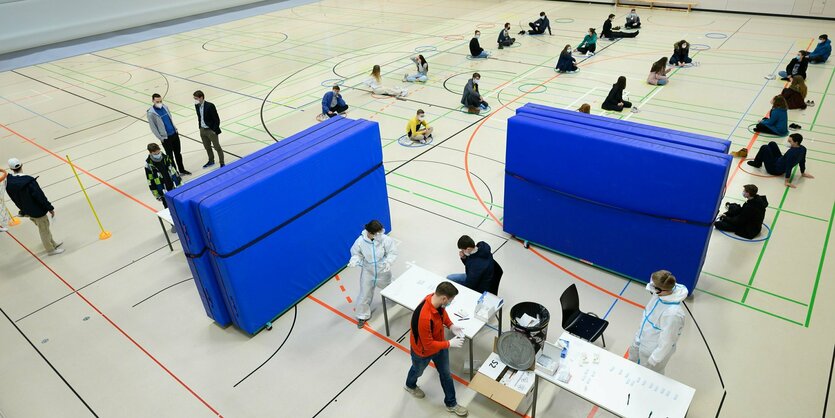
(662, 322)
(374, 252)
(375, 82)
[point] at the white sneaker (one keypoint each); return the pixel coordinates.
(56, 251)
(589, 54)
(3, 229)
(405, 76)
(416, 392)
(458, 410)
(634, 110)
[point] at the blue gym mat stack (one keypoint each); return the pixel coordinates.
(265, 231)
(622, 196)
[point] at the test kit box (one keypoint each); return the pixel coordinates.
(510, 388)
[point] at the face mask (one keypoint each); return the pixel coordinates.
(197, 102)
(477, 36)
(684, 46)
(568, 51)
(156, 157)
(745, 195)
(420, 117)
(475, 81)
(788, 145)
(158, 105)
(446, 305)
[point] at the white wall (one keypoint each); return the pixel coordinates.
(32, 23)
(807, 8)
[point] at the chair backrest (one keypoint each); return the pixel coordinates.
(497, 278)
(570, 302)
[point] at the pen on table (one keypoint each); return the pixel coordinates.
(627, 398)
(463, 319)
(650, 414)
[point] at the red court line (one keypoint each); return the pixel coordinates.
(94, 177)
(170, 373)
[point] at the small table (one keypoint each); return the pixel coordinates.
(618, 385)
(412, 287)
(165, 215)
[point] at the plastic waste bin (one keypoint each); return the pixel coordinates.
(536, 333)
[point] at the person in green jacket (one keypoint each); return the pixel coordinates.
(589, 44)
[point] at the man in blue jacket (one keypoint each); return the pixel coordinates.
(822, 50)
(32, 203)
(478, 265)
(777, 163)
(333, 104)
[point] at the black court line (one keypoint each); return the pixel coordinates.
(50, 364)
(161, 290)
(293, 325)
(447, 218)
(829, 384)
(88, 128)
(735, 32)
(199, 141)
(712, 358)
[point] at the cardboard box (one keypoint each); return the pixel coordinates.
(516, 393)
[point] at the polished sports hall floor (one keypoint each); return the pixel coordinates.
(115, 328)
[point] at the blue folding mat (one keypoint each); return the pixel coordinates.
(649, 131)
(617, 200)
(281, 232)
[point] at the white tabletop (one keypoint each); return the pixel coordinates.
(416, 283)
(165, 215)
(609, 382)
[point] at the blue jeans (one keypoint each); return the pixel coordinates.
(483, 54)
(783, 74)
(441, 360)
(662, 82)
(459, 278)
(416, 77)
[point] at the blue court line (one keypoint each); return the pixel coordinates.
(34, 112)
(759, 93)
(616, 300)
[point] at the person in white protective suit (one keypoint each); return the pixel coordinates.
(661, 324)
(374, 252)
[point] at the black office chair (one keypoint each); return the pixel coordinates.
(587, 326)
(494, 288)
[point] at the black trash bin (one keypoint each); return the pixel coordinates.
(537, 333)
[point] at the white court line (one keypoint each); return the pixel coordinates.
(572, 104)
(645, 101)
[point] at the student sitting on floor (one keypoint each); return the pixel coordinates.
(504, 37)
(566, 63)
(746, 220)
(538, 27)
(776, 163)
(476, 51)
(614, 101)
(418, 129)
(422, 70)
(633, 21)
(471, 98)
(375, 82)
(584, 108)
(333, 104)
(609, 34)
(797, 66)
(589, 43)
(658, 73)
(681, 53)
(777, 122)
(822, 50)
(795, 93)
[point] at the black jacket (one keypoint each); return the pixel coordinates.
(607, 29)
(475, 48)
(801, 71)
(479, 268)
(748, 221)
(27, 196)
(212, 120)
(615, 96)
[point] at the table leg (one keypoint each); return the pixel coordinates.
(500, 321)
(535, 395)
(385, 315)
(165, 232)
(472, 372)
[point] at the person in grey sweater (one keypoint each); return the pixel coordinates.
(162, 126)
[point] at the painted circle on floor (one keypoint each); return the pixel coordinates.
(535, 89)
(408, 143)
(764, 135)
(425, 48)
(563, 20)
(453, 37)
(472, 58)
(483, 111)
(715, 35)
(699, 47)
(333, 82)
(238, 42)
(738, 238)
(486, 25)
(745, 164)
(516, 44)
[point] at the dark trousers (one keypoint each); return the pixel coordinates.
(337, 110)
(508, 42)
(768, 156)
(535, 30)
(171, 145)
(618, 108)
(816, 60)
(441, 360)
(588, 48)
(766, 130)
(632, 25)
(622, 35)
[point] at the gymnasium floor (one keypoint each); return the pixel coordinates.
(120, 320)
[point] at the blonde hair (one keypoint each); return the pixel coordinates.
(375, 72)
(664, 280)
(799, 85)
(585, 108)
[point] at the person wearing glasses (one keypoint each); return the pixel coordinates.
(662, 322)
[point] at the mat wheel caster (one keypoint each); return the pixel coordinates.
(269, 326)
(527, 244)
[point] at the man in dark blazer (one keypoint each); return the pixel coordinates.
(209, 123)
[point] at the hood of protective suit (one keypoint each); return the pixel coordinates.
(678, 295)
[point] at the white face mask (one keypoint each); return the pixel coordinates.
(196, 101)
(684, 46)
(158, 105)
(156, 157)
(475, 81)
(477, 36)
(420, 117)
(745, 195)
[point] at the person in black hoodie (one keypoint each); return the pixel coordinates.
(797, 66)
(478, 265)
(746, 220)
(609, 34)
(32, 203)
(209, 123)
(614, 101)
(476, 51)
(538, 27)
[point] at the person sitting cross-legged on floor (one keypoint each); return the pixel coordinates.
(471, 98)
(418, 129)
(333, 104)
(746, 220)
(476, 51)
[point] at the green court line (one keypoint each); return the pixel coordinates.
(820, 265)
(445, 189)
(750, 307)
(765, 244)
(754, 288)
(823, 98)
(439, 201)
(783, 210)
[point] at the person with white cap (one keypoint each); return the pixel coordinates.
(5, 217)
(32, 203)
(662, 322)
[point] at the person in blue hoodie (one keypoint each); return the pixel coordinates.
(478, 265)
(504, 37)
(333, 104)
(776, 163)
(777, 122)
(822, 50)
(566, 63)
